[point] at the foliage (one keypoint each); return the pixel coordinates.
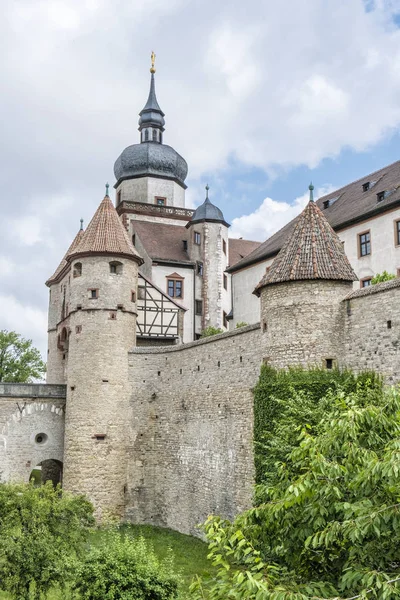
(211, 330)
(241, 324)
(124, 568)
(286, 401)
(20, 362)
(41, 534)
(380, 277)
(330, 526)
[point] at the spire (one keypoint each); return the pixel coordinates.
(105, 234)
(207, 188)
(311, 188)
(312, 251)
(151, 116)
(107, 186)
(81, 227)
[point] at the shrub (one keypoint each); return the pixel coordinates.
(211, 330)
(124, 568)
(381, 277)
(42, 531)
(241, 324)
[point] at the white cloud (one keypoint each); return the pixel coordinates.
(31, 323)
(270, 216)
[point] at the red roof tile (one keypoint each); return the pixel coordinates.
(64, 263)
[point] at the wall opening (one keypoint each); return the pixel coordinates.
(47, 470)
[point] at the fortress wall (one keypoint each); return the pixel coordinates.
(27, 410)
(372, 330)
(191, 451)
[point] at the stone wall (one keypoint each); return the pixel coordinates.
(31, 427)
(191, 451)
(372, 329)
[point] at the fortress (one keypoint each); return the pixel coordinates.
(154, 425)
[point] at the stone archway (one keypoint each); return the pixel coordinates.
(48, 470)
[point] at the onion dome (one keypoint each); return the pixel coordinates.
(313, 251)
(105, 234)
(208, 212)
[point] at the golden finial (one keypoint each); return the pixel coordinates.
(153, 60)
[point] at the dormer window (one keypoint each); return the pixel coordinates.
(380, 196)
(366, 186)
(77, 272)
(115, 267)
(326, 204)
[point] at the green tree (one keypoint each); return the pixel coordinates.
(20, 362)
(330, 526)
(211, 330)
(42, 534)
(380, 277)
(124, 568)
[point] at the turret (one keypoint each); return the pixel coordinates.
(208, 246)
(301, 293)
(102, 329)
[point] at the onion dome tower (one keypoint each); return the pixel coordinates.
(151, 169)
(208, 246)
(301, 293)
(101, 331)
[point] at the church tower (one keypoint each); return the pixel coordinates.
(301, 294)
(151, 172)
(101, 330)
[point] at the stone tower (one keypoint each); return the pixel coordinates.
(101, 330)
(208, 246)
(301, 293)
(151, 172)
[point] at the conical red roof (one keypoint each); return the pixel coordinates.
(64, 263)
(105, 234)
(313, 251)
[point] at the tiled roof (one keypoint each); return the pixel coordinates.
(105, 234)
(347, 205)
(162, 241)
(312, 251)
(374, 289)
(64, 263)
(238, 249)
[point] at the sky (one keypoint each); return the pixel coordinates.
(260, 98)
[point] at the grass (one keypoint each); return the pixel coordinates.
(190, 553)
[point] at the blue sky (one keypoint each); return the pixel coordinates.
(260, 98)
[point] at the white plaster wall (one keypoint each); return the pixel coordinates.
(246, 306)
(145, 189)
(159, 277)
(384, 254)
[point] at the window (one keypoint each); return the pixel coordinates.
(116, 267)
(329, 363)
(366, 186)
(175, 288)
(200, 269)
(224, 246)
(380, 196)
(146, 135)
(160, 201)
(199, 307)
(326, 204)
(185, 245)
(133, 297)
(225, 282)
(77, 271)
(134, 239)
(93, 293)
(113, 315)
(197, 238)
(118, 197)
(154, 135)
(78, 328)
(364, 243)
(397, 233)
(225, 320)
(366, 282)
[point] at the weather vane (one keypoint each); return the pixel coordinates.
(153, 60)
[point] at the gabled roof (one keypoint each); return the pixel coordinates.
(162, 241)
(64, 263)
(105, 234)
(346, 206)
(239, 248)
(312, 251)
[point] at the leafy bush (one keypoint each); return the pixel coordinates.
(286, 401)
(124, 568)
(329, 527)
(380, 277)
(241, 324)
(42, 531)
(211, 330)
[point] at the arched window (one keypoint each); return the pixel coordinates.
(77, 271)
(154, 135)
(146, 135)
(160, 136)
(116, 268)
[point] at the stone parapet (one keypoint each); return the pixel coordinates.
(32, 390)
